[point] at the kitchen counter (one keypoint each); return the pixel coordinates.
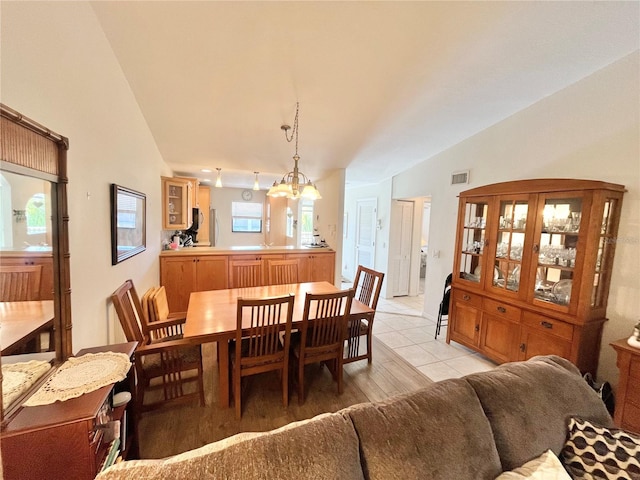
(241, 249)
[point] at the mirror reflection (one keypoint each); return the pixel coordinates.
(26, 277)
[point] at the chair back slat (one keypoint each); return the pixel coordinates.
(324, 321)
(368, 283)
(259, 323)
(283, 271)
(127, 304)
(20, 283)
(245, 273)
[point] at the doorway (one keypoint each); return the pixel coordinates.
(424, 243)
(400, 241)
(366, 211)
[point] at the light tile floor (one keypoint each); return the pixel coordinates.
(400, 325)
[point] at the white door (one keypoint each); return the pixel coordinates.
(366, 232)
(400, 246)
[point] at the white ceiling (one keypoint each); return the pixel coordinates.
(381, 85)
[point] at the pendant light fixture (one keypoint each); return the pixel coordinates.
(256, 185)
(294, 184)
(219, 179)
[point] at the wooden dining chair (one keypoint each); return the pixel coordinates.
(158, 311)
(20, 283)
(259, 345)
(172, 362)
(367, 285)
(245, 273)
(283, 271)
(321, 336)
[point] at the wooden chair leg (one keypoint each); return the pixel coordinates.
(370, 343)
(237, 394)
(300, 382)
(339, 372)
(285, 387)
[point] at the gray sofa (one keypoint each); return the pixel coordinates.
(474, 427)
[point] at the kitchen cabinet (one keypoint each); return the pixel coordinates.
(314, 266)
(182, 275)
(10, 258)
(627, 413)
(198, 269)
(66, 440)
(177, 203)
(532, 265)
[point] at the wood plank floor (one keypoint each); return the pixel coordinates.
(180, 428)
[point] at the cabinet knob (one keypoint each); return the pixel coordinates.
(486, 242)
(523, 347)
(477, 328)
(501, 309)
(536, 248)
(466, 298)
(546, 324)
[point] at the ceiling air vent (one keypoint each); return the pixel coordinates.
(460, 177)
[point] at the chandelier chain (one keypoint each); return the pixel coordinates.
(294, 130)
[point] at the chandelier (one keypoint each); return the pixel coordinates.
(294, 184)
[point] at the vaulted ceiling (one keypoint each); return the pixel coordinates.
(381, 85)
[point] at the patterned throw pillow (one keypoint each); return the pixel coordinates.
(595, 452)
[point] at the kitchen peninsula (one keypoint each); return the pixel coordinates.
(194, 269)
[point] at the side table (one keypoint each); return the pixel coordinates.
(627, 414)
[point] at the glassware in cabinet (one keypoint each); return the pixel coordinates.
(510, 242)
(558, 249)
(473, 240)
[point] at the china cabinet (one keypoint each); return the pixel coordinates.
(532, 268)
(177, 203)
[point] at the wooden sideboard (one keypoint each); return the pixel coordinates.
(199, 269)
(64, 440)
(627, 414)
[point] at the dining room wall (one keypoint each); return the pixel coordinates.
(59, 69)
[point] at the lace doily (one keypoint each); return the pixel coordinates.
(80, 375)
(17, 378)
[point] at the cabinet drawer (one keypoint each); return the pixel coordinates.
(466, 297)
(634, 371)
(548, 325)
(501, 309)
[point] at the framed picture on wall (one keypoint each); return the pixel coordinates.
(128, 223)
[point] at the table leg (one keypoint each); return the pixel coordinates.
(223, 372)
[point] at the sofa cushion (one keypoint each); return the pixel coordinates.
(529, 404)
(325, 447)
(439, 432)
(593, 451)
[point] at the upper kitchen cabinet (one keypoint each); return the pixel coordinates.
(532, 268)
(178, 199)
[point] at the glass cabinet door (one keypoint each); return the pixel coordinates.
(558, 244)
(473, 240)
(511, 228)
(606, 242)
(176, 215)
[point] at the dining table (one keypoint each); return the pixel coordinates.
(22, 322)
(212, 317)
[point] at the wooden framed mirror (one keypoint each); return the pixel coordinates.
(35, 281)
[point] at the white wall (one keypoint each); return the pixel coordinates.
(590, 130)
(58, 69)
(382, 194)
